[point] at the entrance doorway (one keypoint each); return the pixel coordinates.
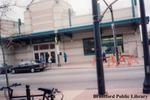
(45, 53)
(53, 57)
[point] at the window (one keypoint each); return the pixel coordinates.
(88, 45)
(36, 55)
(43, 46)
(36, 47)
(52, 46)
(107, 45)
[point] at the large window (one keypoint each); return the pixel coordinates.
(88, 45)
(107, 45)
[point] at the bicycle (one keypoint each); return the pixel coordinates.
(48, 94)
(10, 90)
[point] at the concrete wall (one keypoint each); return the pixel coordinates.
(23, 53)
(10, 28)
(48, 15)
(74, 48)
(15, 55)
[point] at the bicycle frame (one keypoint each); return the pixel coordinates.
(48, 94)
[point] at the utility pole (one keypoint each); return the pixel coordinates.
(97, 40)
(146, 85)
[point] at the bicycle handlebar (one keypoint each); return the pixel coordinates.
(13, 85)
(52, 91)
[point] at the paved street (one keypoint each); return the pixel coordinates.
(79, 78)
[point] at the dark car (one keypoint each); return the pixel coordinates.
(3, 68)
(28, 66)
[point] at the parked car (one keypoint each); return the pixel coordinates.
(2, 68)
(28, 66)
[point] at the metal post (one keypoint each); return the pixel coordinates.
(133, 7)
(146, 85)
(4, 60)
(19, 24)
(57, 49)
(28, 94)
(97, 40)
(114, 35)
(69, 13)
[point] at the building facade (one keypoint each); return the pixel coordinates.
(53, 30)
(8, 28)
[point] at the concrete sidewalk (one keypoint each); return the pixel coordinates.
(93, 65)
(89, 66)
(113, 94)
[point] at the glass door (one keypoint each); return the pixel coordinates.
(53, 57)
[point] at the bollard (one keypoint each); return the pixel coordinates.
(28, 92)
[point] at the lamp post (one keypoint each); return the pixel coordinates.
(113, 30)
(97, 41)
(146, 85)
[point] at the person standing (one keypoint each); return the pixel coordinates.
(47, 57)
(65, 57)
(104, 57)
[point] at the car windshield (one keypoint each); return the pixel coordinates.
(27, 62)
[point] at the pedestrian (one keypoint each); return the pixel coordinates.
(104, 57)
(65, 57)
(47, 57)
(41, 59)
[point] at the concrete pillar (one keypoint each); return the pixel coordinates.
(1, 55)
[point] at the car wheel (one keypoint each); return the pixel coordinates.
(32, 70)
(13, 71)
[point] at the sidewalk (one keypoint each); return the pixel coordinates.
(113, 94)
(93, 65)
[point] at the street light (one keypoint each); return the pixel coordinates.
(98, 51)
(99, 65)
(113, 31)
(146, 85)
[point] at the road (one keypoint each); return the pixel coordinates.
(79, 79)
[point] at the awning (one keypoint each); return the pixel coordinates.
(71, 30)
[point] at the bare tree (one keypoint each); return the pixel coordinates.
(5, 7)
